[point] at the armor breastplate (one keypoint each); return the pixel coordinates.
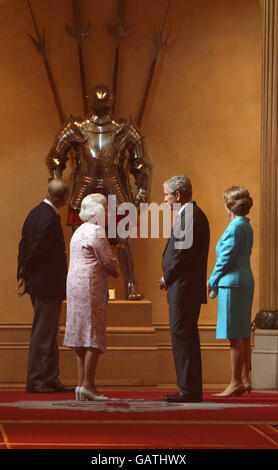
(101, 147)
(99, 151)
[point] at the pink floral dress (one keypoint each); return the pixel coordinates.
(91, 260)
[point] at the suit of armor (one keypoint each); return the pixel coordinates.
(101, 148)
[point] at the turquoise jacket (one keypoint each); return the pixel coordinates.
(233, 251)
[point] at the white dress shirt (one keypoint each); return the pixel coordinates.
(50, 204)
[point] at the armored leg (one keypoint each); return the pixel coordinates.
(127, 268)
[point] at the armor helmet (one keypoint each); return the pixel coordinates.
(102, 99)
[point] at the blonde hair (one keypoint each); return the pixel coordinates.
(91, 206)
(238, 200)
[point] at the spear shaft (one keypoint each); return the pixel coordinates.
(82, 79)
(120, 18)
(159, 42)
(77, 32)
(40, 44)
(119, 31)
(54, 90)
(115, 76)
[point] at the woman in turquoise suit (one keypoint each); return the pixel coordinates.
(233, 280)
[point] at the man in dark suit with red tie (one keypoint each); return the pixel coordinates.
(184, 267)
(42, 272)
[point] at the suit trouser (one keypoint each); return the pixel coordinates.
(43, 360)
(186, 347)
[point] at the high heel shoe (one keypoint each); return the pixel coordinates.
(247, 388)
(236, 392)
(77, 393)
(87, 395)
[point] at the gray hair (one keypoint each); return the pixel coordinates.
(91, 206)
(180, 183)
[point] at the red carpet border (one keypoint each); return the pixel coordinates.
(137, 419)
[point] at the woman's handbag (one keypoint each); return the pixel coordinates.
(266, 320)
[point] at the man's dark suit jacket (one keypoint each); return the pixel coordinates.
(185, 270)
(42, 259)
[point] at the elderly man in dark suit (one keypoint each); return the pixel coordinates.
(42, 272)
(184, 267)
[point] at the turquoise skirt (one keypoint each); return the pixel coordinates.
(234, 312)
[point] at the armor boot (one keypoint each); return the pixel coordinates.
(127, 268)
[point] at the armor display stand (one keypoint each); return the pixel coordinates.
(131, 358)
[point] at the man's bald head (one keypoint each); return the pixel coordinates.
(57, 192)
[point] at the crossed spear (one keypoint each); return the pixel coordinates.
(40, 44)
(159, 42)
(119, 31)
(78, 32)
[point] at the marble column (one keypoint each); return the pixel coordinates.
(269, 171)
(265, 351)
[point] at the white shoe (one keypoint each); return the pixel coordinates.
(85, 394)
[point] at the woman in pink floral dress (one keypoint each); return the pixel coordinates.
(91, 261)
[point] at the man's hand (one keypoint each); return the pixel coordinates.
(141, 197)
(21, 287)
(162, 285)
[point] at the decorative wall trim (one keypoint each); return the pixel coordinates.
(158, 343)
(145, 351)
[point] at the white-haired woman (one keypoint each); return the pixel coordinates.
(91, 261)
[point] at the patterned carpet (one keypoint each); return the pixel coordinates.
(135, 420)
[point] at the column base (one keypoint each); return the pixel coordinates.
(265, 359)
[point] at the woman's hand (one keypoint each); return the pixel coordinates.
(209, 289)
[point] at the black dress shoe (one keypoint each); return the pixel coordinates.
(62, 388)
(40, 389)
(182, 397)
